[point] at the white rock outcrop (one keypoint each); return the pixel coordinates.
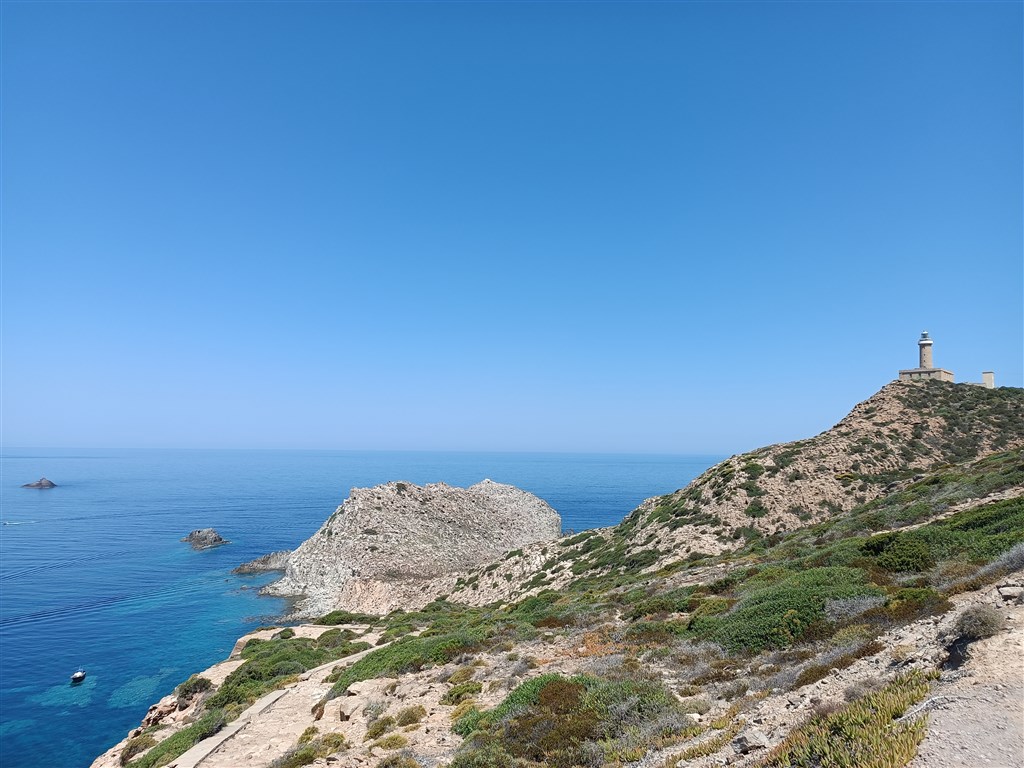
(386, 547)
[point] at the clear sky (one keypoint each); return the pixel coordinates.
(651, 227)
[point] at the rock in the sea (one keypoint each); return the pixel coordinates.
(380, 548)
(205, 538)
(40, 483)
(275, 561)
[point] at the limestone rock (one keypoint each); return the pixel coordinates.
(750, 740)
(275, 561)
(205, 538)
(383, 546)
(41, 483)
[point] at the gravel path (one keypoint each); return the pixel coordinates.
(981, 724)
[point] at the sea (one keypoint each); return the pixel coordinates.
(93, 573)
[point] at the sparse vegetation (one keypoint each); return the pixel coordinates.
(863, 734)
(178, 743)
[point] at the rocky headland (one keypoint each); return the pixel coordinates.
(850, 599)
(205, 538)
(389, 546)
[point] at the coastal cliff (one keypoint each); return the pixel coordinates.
(384, 546)
(880, 621)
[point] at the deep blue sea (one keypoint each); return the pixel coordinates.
(92, 573)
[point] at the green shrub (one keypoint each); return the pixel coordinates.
(462, 674)
(653, 632)
(195, 684)
(861, 734)
(398, 761)
(180, 742)
(347, 617)
(558, 722)
(270, 664)
(410, 715)
(394, 741)
(778, 614)
(462, 691)
(136, 745)
(306, 753)
(379, 727)
(406, 655)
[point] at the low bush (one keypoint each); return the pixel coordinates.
(978, 622)
(407, 655)
(393, 741)
(863, 733)
(306, 753)
(780, 613)
(459, 693)
(410, 715)
(398, 760)
(180, 742)
(816, 672)
(136, 745)
(379, 727)
(347, 617)
(195, 684)
(563, 722)
(273, 663)
(462, 674)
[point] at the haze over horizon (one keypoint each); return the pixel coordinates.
(622, 227)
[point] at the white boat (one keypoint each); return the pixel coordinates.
(78, 677)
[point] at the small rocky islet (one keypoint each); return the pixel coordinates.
(859, 591)
(205, 538)
(42, 483)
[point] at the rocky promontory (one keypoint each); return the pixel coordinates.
(384, 547)
(205, 538)
(41, 483)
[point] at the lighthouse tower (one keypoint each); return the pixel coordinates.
(924, 348)
(925, 368)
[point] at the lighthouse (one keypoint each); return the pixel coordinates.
(924, 348)
(926, 367)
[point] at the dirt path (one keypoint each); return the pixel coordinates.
(981, 723)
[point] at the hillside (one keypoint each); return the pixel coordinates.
(831, 644)
(877, 449)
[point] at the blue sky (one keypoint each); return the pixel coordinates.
(652, 227)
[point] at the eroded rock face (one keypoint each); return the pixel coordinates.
(205, 538)
(382, 548)
(41, 483)
(275, 561)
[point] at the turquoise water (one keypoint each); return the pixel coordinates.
(92, 572)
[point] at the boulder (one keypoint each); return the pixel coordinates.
(41, 483)
(205, 538)
(750, 740)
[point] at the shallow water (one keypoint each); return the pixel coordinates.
(92, 572)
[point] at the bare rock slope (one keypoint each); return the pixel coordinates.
(384, 546)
